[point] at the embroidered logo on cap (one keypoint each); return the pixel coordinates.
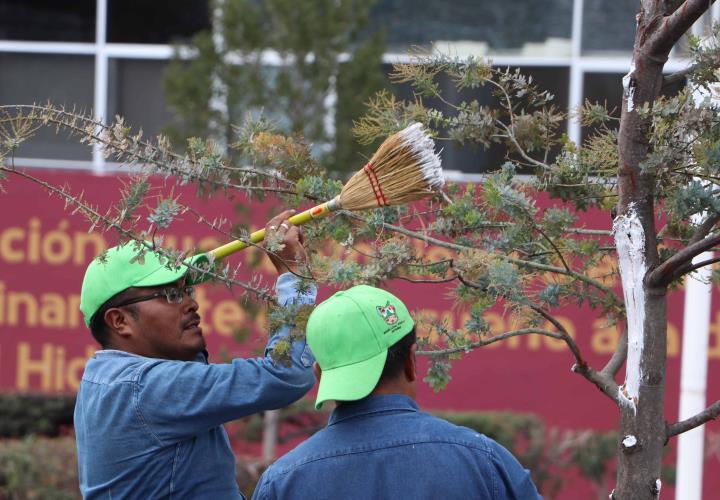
(387, 313)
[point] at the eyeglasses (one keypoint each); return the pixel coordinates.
(174, 295)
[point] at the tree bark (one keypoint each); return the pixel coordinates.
(660, 24)
(639, 460)
(642, 426)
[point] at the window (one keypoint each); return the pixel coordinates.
(475, 159)
(61, 79)
(609, 26)
(491, 26)
(606, 88)
(136, 93)
(159, 21)
(47, 20)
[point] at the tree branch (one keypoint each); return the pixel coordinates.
(605, 383)
(490, 340)
(709, 413)
(677, 77)
(519, 262)
(565, 335)
(92, 131)
(413, 280)
(552, 244)
(602, 381)
(96, 217)
(675, 25)
(677, 265)
(618, 358)
(704, 228)
(703, 263)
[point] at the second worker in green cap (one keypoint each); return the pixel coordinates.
(378, 444)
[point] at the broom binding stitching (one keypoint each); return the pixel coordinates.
(372, 177)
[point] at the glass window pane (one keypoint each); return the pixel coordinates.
(603, 88)
(47, 20)
(488, 26)
(136, 93)
(609, 26)
(159, 21)
(477, 159)
(61, 79)
(606, 88)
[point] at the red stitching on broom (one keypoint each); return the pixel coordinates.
(372, 176)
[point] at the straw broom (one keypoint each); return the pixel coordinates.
(405, 168)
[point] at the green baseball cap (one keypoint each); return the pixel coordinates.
(350, 334)
(115, 273)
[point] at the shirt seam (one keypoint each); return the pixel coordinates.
(174, 467)
(138, 411)
(494, 478)
(371, 412)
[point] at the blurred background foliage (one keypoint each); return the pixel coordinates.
(38, 456)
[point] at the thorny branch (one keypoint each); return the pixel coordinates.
(602, 381)
(97, 218)
(144, 153)
(490, 340)
(244, 237)
(519, 262)
(552, 244)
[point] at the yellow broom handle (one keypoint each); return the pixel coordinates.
(298, 219)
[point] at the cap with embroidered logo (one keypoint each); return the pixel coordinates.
(350, 334)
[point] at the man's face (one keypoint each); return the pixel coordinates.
(166, 330)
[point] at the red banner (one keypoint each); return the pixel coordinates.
(44, 251)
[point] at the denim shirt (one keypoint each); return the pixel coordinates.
(383, 447)
(152, 428)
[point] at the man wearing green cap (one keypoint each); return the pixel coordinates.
(377, 443)
(150, 409)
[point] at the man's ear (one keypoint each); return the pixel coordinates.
(317, 371)
(118, 321)
(410, 365)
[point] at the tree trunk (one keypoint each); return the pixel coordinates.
(639, 459)
(642, 425)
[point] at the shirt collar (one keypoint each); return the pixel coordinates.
(372, 404)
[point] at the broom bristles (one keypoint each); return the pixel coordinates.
(405, 168)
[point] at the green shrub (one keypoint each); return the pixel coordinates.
(24, 414)
(38, 468)
(41, 468)
(504, 427)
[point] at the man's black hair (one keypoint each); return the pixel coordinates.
(98, 327)
(396, 356)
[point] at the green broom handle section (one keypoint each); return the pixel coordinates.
(298, 219)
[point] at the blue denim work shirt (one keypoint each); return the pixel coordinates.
(383, 447)
(152, 428)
